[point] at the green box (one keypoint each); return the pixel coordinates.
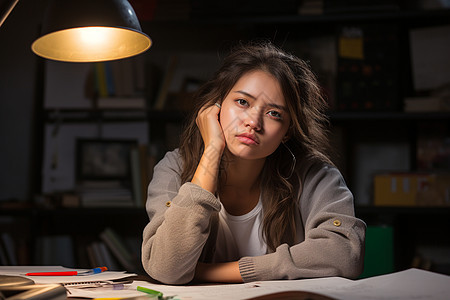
(379, 255)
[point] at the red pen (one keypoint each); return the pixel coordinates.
(69, 273)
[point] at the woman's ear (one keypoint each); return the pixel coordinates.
(286, 138)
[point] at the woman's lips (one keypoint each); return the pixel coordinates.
(247, 138)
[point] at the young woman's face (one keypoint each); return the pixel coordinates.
(254, 116)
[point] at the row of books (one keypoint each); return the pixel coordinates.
(429, 185)
(14, 238)
(108, 249)
(8, 255)
(128, 192)
(427, 154)
(113, 252)
(120, 84)
(427, 104)
(368, 69)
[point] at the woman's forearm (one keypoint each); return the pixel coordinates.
(218, 272)
(208, 168)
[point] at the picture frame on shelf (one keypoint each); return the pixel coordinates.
(104, 159)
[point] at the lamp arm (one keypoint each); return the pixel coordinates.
(6, 9)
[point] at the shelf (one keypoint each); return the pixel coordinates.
(128, 221)
(217, 18)
(381, 115)
(90, 115)
(63, 212)
(92, 211)
(402, 210)
(213, 32)
(112, 115)
(94, 115)
(167, 115)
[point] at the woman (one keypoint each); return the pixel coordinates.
(251, 193)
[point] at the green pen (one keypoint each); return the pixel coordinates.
(150, 292)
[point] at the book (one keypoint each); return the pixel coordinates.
(145, 166)
(433, 147)
(13, 287)
(91, 255)
(106, 197)
(367, 69)
(9, 247)
(426, 104)
(120, 84)
(100, 255)
(165, 85)
(55, 250)
(119, 249)
(429, 47)
(136, 175)
(311, 7)
(122, 102)
(372, 158)
(140, 174)
(100, 79)
(3, 257)
(355, 6)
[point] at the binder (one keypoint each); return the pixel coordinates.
(16, 287)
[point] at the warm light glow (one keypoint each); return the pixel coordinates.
(91, 44)
(93, 36)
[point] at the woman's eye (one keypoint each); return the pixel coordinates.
(242, 102)
(274, 114)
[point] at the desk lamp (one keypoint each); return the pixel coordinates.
(89, 31)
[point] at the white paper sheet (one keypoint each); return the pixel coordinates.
(409, 284)
(22, 270)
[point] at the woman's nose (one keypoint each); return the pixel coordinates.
(253, 119)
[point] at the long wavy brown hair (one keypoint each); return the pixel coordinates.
(307, 132)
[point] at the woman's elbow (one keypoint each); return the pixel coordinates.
(352, 265)
(166, 272)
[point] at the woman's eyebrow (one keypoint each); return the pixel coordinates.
(245, 93)
(274, 105)
(277, 106)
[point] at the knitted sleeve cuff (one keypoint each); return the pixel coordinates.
(247, 269)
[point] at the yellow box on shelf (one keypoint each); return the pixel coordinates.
(411, 189)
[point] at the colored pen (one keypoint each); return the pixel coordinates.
(150, 291)
(69, 273)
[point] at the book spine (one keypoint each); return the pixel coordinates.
(117, 248)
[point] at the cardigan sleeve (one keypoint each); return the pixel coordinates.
(333, 242)
(179, 223)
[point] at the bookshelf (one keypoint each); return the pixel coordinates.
(62, 236)
(198, 40)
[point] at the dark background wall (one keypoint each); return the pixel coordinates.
(17, 98)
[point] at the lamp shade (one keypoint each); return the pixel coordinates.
(90, 31)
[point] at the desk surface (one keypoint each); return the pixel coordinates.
(409, 284)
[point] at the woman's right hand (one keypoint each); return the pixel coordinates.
(212, 134)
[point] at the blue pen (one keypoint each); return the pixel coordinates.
(95, 271)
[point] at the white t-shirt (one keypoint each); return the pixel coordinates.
(240, 236)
